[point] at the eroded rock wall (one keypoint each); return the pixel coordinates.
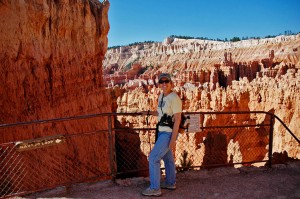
(250, 75)
(51, 58)
(200, 55)
(51, 54)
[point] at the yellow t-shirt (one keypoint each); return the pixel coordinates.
(169, 105)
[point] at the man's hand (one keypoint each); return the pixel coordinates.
(172, 145)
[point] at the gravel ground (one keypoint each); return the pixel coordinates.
(279, 182)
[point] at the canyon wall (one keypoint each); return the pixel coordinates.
(51, 59)
(249, 75)
(51, 54)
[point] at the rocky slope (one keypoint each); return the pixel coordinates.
(250, 75)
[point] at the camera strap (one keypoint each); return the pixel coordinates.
(161, 104)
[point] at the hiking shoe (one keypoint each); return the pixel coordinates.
(165, 185)
(151, 192)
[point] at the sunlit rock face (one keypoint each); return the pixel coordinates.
(249, 75)
(51, 54)
(51, 58)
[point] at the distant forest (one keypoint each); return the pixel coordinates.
(234, 39)
(133, 44)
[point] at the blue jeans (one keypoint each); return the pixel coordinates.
(161, 151)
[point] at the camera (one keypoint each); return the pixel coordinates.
(166, 120)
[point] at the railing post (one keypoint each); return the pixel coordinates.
(271, 140)
(112, 151)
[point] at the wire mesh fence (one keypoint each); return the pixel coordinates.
(209, 148)
(221, 140)
(26, 167)
(61, 152)
(53, 153)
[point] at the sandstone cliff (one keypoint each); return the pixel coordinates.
(51, 54)
(51, 58)
(250, 75)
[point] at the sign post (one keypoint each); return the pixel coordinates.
(40, 143)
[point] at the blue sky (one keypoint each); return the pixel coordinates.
(154, 20)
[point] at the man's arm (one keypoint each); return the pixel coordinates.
(177, 117)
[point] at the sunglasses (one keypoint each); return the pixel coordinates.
(164, 81)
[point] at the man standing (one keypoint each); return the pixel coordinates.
(169, 115)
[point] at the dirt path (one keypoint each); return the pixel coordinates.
(280, 182)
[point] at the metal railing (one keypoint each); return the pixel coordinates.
(64, 151)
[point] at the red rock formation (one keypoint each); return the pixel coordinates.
(51, 63)
(51, 56)
(224, 76)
